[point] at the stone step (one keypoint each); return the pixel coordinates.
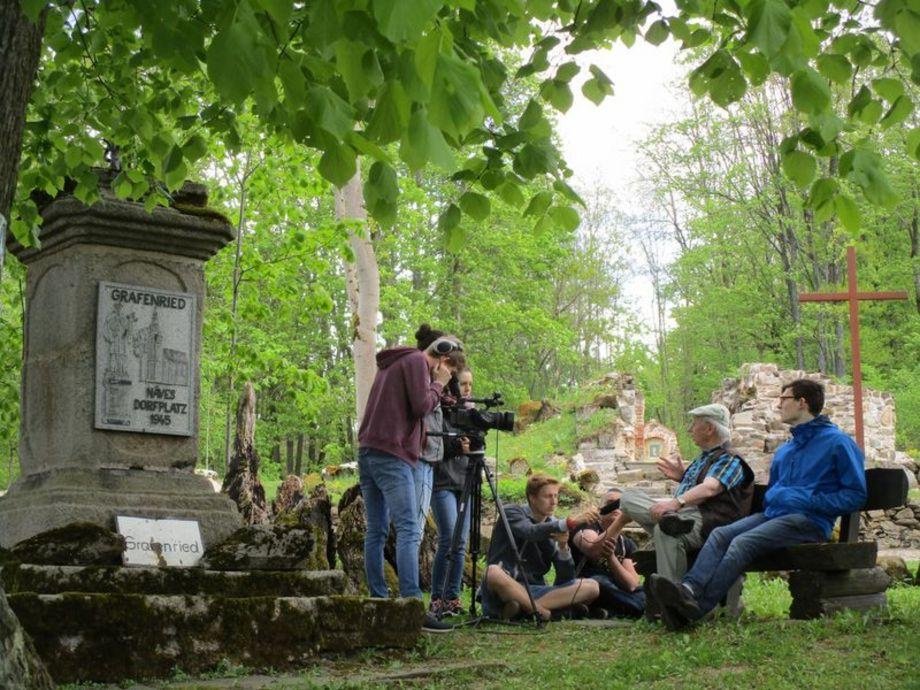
(110, 637)
(51, 579)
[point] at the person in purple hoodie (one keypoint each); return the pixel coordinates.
(815, 477)
(408, 386)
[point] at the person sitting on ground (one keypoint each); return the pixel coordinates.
(715, 489)
(607, 560)
(542, 541)
(815, 477)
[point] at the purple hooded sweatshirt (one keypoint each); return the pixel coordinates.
(402, 394)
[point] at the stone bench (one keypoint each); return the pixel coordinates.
(828, 577)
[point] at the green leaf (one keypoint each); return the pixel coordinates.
(450, 218)
(33, 8)
(565, 217)
(278, 10)
(898, 112)
(400, 20)
(567, 71)
(234, 58)
(455, 239)
(534, 121)
(558, 94)
(847, 212)
(426, 56)
(511, 194)
(821, 198)
(390, 116)
(598, 87)
(349, 59)
(423, 143)
(889, 89)
(657, 33)
(913, 143)
(337, 164)
(381, 193)
(456, 98)
(194, 148)
(475, 205)
(800, 167)
(835, 67)
(865, 169)
(539, 202)
(907, 26)
(810, 92)
(768, 27)
(294, 83)
(174, 168)
(755, 66)
(329, 111)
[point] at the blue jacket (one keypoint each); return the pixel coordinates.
(818, 473)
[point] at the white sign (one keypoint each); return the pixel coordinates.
(145, 360)
(160, 542)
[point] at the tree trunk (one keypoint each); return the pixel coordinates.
(298, 458)
(242, 481)
(289, 463)
(363, 283)
(20, 50)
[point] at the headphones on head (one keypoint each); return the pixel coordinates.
(444, 346)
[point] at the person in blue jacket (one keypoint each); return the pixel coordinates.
(815, 477)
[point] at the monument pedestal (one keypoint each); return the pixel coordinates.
(110, 377)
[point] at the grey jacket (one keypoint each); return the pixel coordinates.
(538, 549)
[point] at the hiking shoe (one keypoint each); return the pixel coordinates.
(511, 610)
(678, 606)
(674, 525)
(598, 613)
(433, 625)
(451, 607)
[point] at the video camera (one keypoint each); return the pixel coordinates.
(473, 421)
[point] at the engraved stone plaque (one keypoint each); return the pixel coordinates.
(144, 360)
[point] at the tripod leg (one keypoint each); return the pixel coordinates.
(507, 527)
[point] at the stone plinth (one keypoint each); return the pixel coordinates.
(112, 637)
(71, 470)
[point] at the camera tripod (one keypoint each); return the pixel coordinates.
(470, 502)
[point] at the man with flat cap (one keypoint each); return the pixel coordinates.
(714, 490)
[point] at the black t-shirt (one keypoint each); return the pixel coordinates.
(624, 549)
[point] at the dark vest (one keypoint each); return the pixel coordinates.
(730, 505)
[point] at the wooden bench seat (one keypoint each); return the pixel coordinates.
(830, 576)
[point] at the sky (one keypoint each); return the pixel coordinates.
(599, 142)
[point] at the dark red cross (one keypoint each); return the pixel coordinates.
(852, 295)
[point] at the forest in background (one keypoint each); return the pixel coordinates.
(736, 219)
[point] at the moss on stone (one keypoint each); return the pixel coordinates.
(79, 543)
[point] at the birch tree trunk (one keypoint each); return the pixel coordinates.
(363, 285)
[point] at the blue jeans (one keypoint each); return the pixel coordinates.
(423, 477)
(446, 507)
(729, 550)
(388, 489)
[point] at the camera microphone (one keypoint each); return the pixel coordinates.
(609, 507)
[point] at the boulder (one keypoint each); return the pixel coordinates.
(519, 467)
(895, 567)
(587, 480)
(80, 543)
(314, 513)
(20, 667)
(262, 547)
(607, 400)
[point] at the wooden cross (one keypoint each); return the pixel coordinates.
(853, 296)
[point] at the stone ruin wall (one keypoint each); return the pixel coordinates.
(757, 430)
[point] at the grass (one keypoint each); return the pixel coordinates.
(762, 650)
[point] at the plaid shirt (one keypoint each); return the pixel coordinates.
(727, 469)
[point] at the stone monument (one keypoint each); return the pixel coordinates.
(110, 375)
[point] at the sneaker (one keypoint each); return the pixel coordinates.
(451, 607)
(511, 610)
(598, 613)
(434, 608)
(674, 525)
(433, 625)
